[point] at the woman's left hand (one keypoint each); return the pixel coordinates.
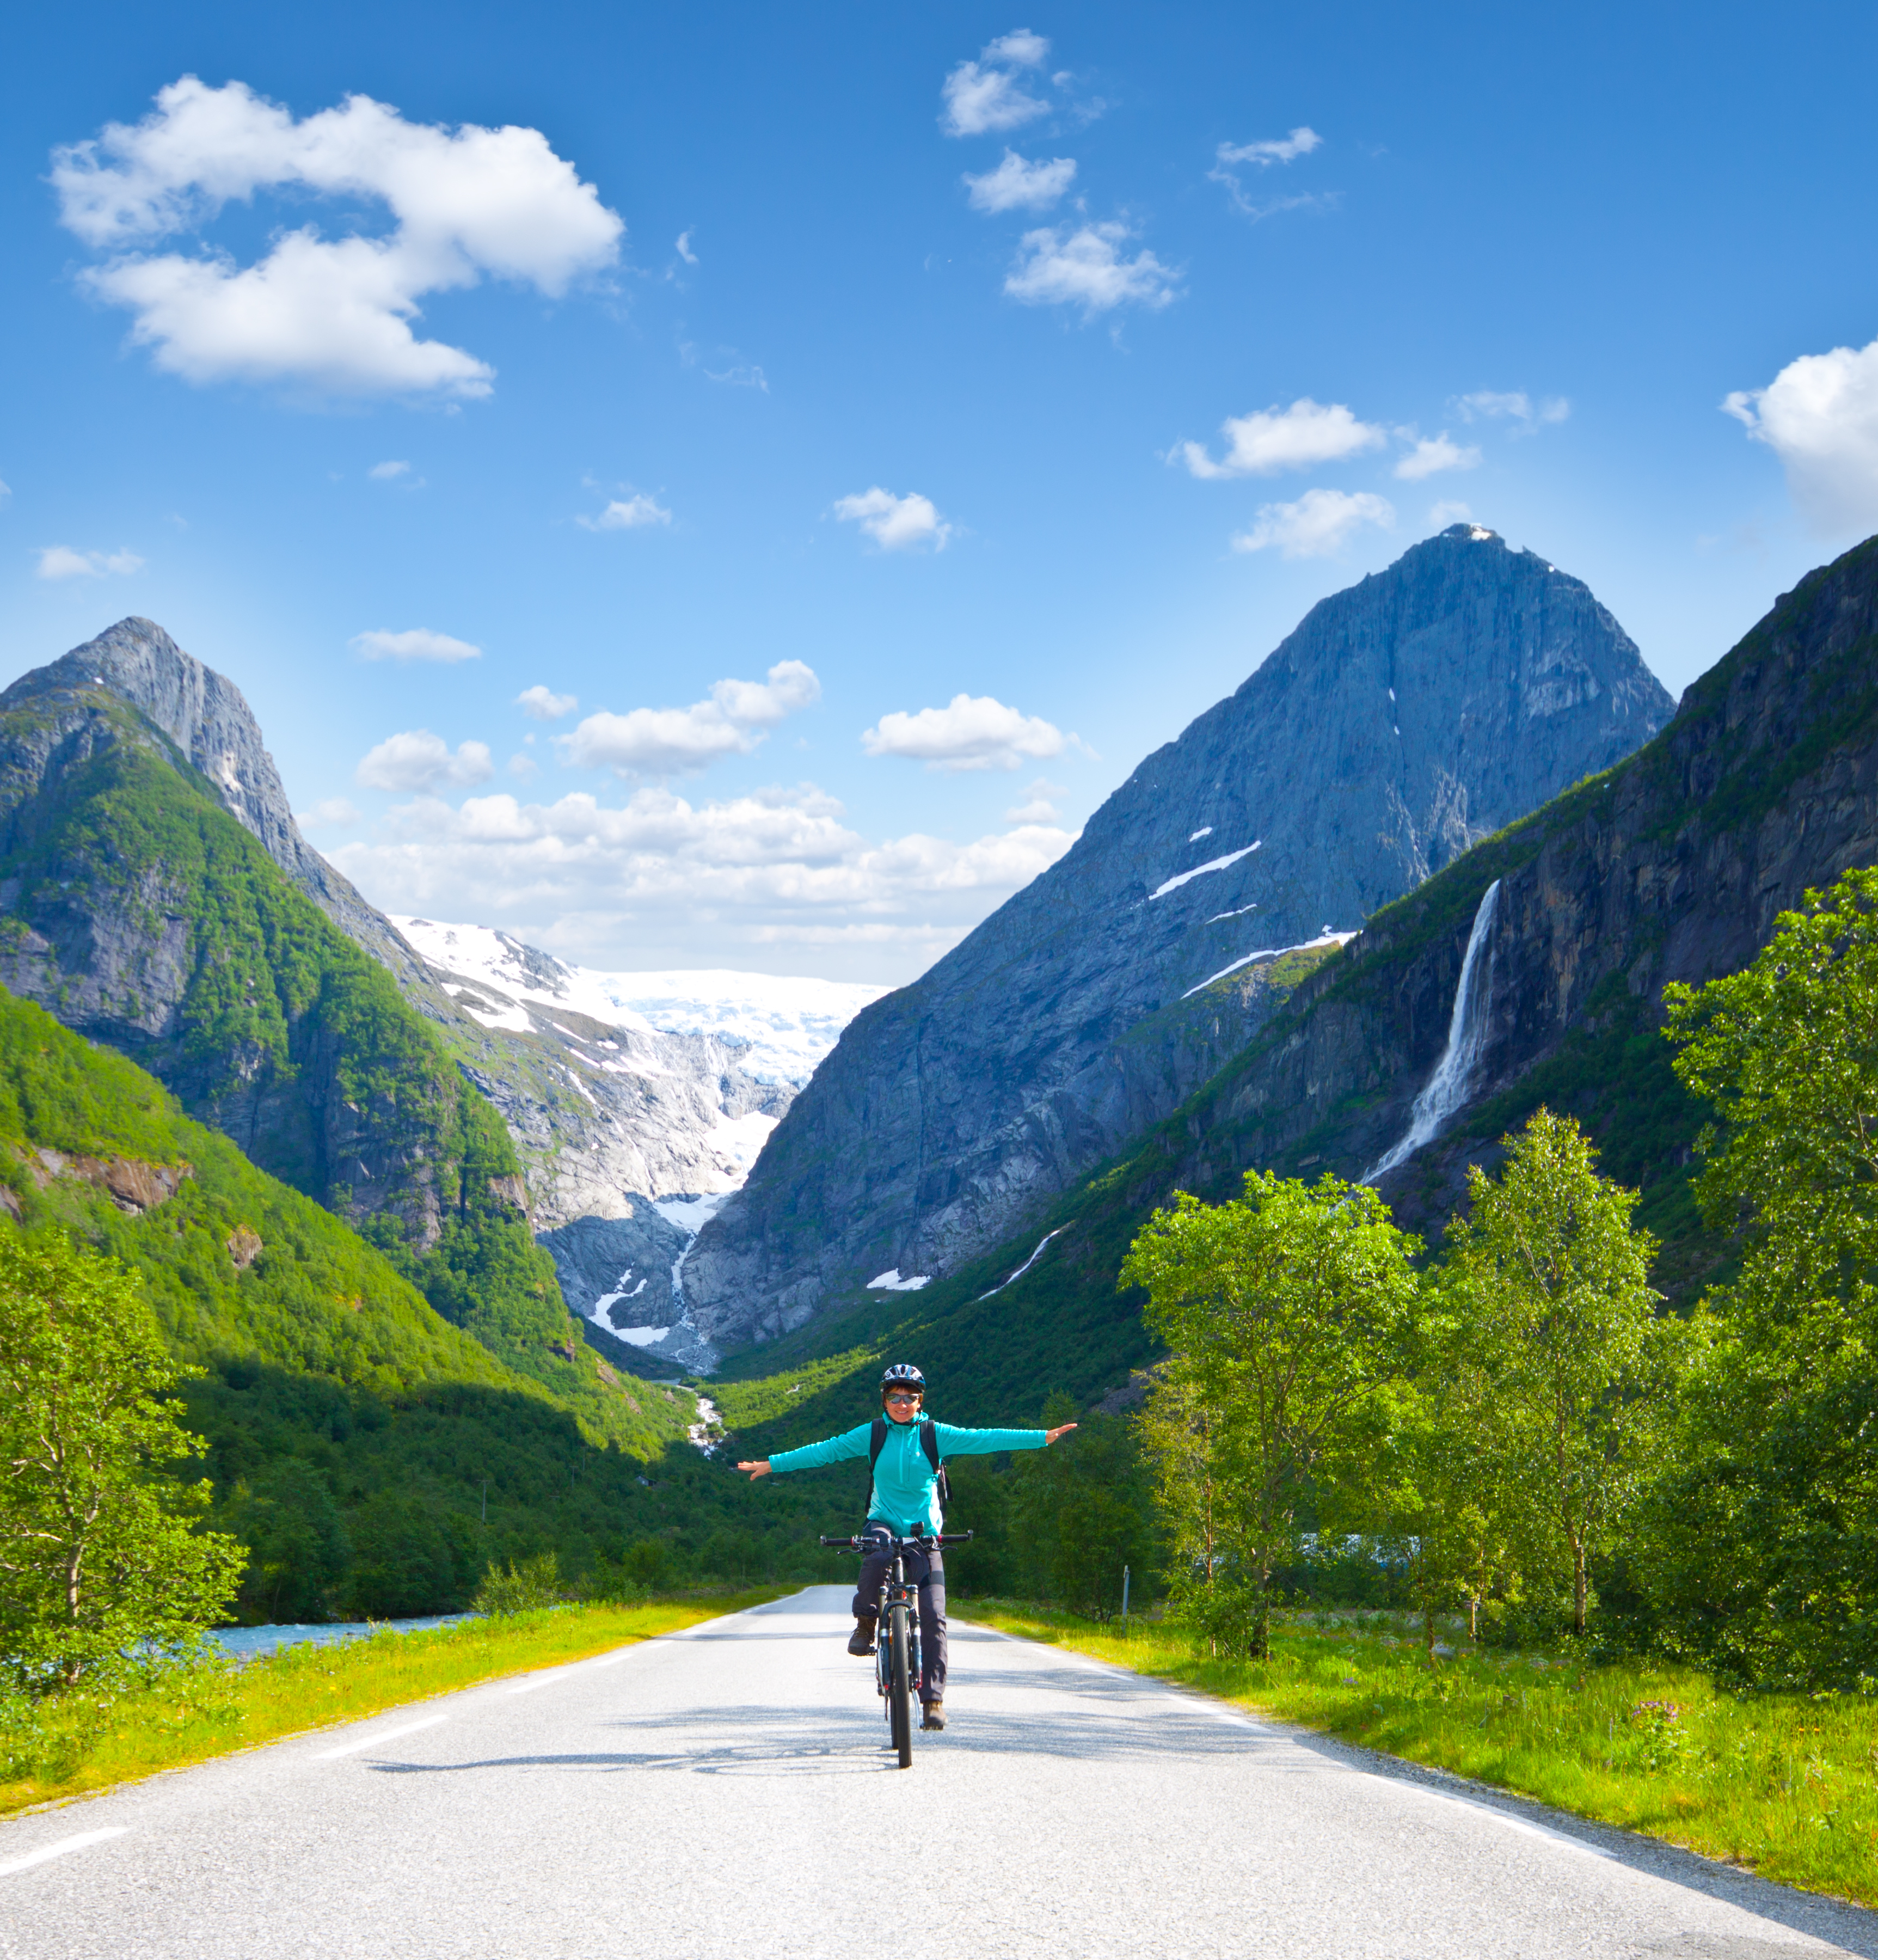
(1051, 1435)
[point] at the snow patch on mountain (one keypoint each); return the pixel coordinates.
(786, 1023)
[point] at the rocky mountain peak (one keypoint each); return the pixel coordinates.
(203, 713)
(208, 720)
(1405, 719)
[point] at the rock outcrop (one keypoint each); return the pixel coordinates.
(1404, 719)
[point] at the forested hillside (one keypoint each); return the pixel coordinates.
(140, 912)
(340, 1409)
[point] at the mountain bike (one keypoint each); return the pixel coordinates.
(897, 1638)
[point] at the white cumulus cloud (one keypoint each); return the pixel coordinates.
(779, 866)
(419, 643)
(1319, 523)
(543, 704)
(1301, 436)
(388, 473)
(675, 741)
(1819, 416)
(1057, 266)
(332, 314)
(629, 513)
(61, 561)
(987, 94)
(970, 733)
(1516, 407)
(1274, 150)
(1018, 184)
(1432, 454)
(896, 523)
(416, 759)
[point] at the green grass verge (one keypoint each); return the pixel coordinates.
(79, 1747)
(1782, 1784)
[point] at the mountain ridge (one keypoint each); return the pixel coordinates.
(1674, 864)
(596, 1148)
(1434, 701)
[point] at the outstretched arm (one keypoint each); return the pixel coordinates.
(989, 1442)
(834, 1449)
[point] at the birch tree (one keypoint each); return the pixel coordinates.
(98, 1553)
(1557, 1280)
(1286, 1312)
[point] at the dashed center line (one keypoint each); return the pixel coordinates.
(46, 1853)
(381, 1736)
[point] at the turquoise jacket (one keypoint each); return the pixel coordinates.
(906, 1492)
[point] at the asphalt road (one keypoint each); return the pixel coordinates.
(725, 1794)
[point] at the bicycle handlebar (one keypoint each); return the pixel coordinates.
(943, 1538)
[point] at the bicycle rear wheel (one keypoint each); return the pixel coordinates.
(900, 1687)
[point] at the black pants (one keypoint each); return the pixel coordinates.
(928, 1570)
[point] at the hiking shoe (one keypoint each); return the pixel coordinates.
(861, 1641)
(935, 1716)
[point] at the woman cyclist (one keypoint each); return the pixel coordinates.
(906, 1504)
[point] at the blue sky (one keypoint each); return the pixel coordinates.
(714, 387)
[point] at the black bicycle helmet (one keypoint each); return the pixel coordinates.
(903, 1375)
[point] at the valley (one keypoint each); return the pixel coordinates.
(565, 1173)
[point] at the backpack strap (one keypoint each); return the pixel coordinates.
(877, 1441)
(929, 1439)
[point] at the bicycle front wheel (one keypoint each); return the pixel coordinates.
(899, 1686)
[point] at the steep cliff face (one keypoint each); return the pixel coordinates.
(1674, 865)
(136, 907)
(1405, 719)
(144, 922)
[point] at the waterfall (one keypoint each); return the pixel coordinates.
(1448, 1087)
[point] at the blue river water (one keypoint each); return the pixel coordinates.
(245, 1643)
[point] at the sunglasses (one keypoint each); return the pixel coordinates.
(902, 1397)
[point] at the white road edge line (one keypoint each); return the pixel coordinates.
(618, 1654)
(534, 1682)
(382, 1736)
(47, 1852)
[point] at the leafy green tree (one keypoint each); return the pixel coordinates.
(410, 1557)
(298, 1552)
(97, 1552)
(1080, 1514)
(523, 1585)
(1766, 1561)
(1555, 1280)
(1287, 1311)
(1445, 1498)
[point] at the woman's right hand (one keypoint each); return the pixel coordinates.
(760, 1468)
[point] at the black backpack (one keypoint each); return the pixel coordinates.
(929, 1442)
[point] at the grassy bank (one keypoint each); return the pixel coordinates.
(77, 1745)
(1787, 1784)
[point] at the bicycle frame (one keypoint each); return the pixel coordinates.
(897, 1660)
